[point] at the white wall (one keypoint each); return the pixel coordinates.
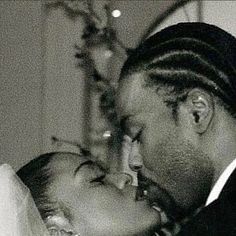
(63, 83)
(188, 13)
(221, 13)
(20, 81)
(42, 89)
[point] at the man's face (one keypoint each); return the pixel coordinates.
(178, 175)
(96, 206)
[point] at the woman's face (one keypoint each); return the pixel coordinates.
(96, 206)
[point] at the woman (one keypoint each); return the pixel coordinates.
(74, 197)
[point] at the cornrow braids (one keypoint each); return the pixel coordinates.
(180, 64)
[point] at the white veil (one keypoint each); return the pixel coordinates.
(19, 215)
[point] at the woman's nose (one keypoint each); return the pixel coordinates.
(135, 159)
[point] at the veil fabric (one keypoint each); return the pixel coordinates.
(19, 215)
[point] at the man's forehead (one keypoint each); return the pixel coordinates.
(134, 95)
(129, 89)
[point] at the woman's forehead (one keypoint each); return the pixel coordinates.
(67, 161)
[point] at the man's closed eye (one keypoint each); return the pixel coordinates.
(137, 137)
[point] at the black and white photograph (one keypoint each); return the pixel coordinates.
(117, 118)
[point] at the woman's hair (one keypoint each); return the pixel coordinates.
(183, 57)
(36, 176)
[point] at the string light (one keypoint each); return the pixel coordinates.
(116, 13)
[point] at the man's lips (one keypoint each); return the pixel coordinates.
(167, 226)
(159, 199)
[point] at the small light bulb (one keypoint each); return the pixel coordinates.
(145, 192)
(107, 134)
(108, 53)
(116, 13)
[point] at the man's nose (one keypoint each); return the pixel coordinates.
(119, 180)
(135, 158)
(124, 166)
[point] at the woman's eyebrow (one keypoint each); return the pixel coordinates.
(89, 162)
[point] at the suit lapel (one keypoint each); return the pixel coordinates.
(229, 190)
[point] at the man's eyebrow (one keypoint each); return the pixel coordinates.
(82, 164)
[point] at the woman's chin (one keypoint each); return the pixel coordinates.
(146, 220)
(137, 219)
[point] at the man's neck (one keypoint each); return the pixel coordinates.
(222, 144)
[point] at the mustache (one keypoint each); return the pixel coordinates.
(156, 194)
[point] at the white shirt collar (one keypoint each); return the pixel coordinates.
(216, 190)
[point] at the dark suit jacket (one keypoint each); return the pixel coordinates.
(218, 218)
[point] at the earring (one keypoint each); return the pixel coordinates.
(69, 233)
(199, 101)
(57, 232)
(57, 226)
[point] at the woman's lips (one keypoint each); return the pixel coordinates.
(167, 226)
(164, 218)
(143, 195)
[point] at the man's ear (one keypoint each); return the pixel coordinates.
(200, 108)
(59, 225)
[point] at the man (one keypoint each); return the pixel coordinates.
(74, 197)
(177, 101)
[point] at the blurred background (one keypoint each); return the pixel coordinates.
(60, 61)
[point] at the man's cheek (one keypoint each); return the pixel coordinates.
(153, 154)
(148, 158)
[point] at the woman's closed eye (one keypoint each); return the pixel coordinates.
(98, 180)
